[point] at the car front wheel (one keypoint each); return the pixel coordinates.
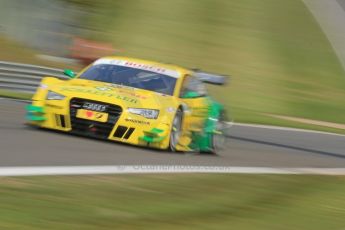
(176, 130)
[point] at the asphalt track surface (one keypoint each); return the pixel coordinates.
(246, 146)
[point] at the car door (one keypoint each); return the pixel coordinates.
(194, 96)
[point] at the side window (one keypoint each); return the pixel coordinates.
(192, 87)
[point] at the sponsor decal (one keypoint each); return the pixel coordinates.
(100, 93)
(94, 107)
(99, 115)
(103, 88)
(111, 86)
(89, 113)
(145, 67)
(133, 94)
(120, 86)
(137, 121)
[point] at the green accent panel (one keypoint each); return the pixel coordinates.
(35, 113)
(31, 117)
(155, 130)
(190, 95)
(69, 73)
(151, 139)
(33, 108)
(146, 138)
(149, 134)
(203, 141)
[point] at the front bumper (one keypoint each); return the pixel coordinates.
(120, 126)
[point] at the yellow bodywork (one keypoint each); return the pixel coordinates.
(55, 114)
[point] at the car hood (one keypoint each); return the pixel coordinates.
(113, 94)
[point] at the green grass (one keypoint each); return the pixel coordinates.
(179, 201)
(279, 59)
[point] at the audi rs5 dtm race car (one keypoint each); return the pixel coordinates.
(133, 101)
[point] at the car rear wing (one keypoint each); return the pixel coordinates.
(211, 78)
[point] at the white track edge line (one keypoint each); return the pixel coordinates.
(163, 169)
(286, 129)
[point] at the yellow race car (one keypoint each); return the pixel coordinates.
(133, 101)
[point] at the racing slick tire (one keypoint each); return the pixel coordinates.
(176, 130)
(218, 138)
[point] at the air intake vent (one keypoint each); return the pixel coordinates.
(120, 131)
(60, 120)
(63, 122)
(129, 133)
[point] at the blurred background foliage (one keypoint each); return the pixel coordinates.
(279, 60)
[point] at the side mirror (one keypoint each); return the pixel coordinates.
(190, 94)
(69, 73)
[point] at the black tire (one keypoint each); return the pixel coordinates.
(218, 140)
(176, 129)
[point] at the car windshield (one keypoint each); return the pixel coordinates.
(137, 78)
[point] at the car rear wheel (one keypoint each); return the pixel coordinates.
(176, 130)
(218, 138)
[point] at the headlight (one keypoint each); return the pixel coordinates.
(54, 96)
(147, 113)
